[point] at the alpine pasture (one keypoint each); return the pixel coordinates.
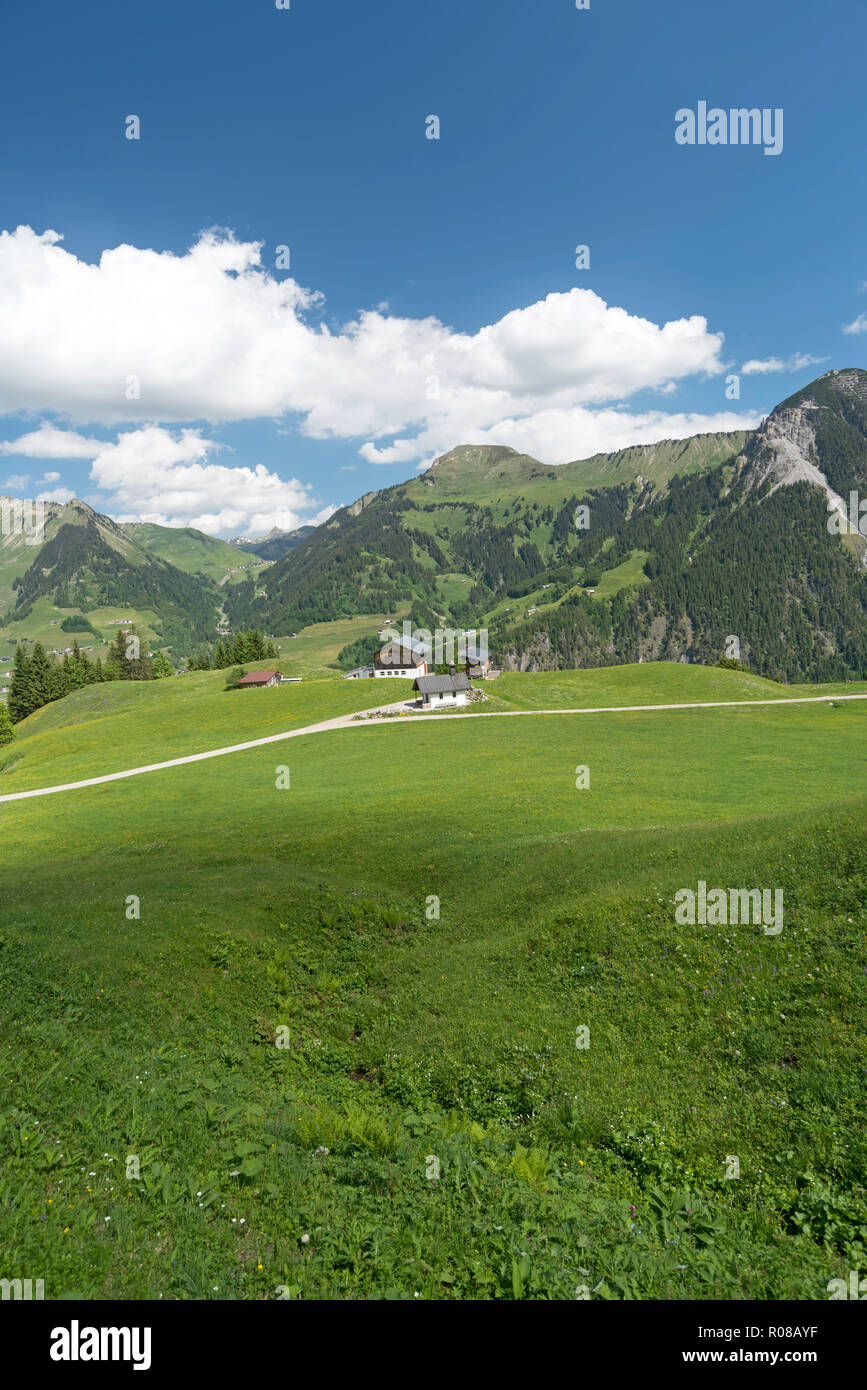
(416, 1019)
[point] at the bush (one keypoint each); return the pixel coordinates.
(7, 732)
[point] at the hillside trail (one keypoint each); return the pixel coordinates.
(351, 721)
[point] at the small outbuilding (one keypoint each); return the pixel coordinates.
(437, 691)
(259, 678)
(478, 663)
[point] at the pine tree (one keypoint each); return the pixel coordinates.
(20, 703)
(160, 666)
(138, 657)
(116, 662)
(42, 681)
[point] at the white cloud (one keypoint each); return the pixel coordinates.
(559, 436)
(17, 481)
(211, 335)
(50, 478)
(796, 363)
(858, 325)
(57, 494)
(151, 474)
(49, 442)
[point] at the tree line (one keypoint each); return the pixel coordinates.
(234, 651)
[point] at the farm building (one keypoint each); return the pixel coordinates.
(259, 678)
(360, 673)
(478, 663)
(401, 658)
(437, 691)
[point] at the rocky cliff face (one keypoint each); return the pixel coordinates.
(782, 451)
(821, 430)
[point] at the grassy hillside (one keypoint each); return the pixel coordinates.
(86, 564)
(187, 549)
(105, 728)
(682, 543)
(496, 476)
(317, 647)
(43, 625)
(431, 1129)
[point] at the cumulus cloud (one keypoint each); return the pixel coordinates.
(795, 363)
(559, 436)
(56, 494)
(858, 325)
(146, 336)
(152, 474)
(49, 442)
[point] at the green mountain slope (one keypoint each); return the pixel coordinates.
(685, 545)
(188, 549)
(88, 563)
(484, 475)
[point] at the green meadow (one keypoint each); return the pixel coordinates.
(399, 1010)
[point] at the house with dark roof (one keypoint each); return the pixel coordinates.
(437, 691)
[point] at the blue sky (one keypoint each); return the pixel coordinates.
(432, 296)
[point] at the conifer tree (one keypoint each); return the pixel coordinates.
(20, 703)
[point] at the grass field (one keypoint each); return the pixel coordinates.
(427, 1126)
(43, 625)
(316, 648)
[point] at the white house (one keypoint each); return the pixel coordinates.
(437, 691)
(406, 658)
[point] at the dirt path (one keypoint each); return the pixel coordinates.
(349, 721)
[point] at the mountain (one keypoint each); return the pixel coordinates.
(87, 562)
(274, 544)
(477, 473)
(688, 544)
(187, 549)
